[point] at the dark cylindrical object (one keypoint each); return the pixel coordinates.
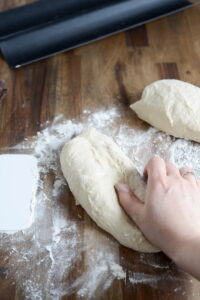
(84, 27)
(41, 12)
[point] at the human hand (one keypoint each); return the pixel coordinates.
(170, 214)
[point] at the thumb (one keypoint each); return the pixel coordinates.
(130, 203)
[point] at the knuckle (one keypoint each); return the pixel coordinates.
(154, 161)
(155, 181)
(170, 164)
(186, 168)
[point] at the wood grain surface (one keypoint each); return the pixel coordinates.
(105, 73)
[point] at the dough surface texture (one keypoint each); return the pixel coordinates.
(172, 106)
(92, 164)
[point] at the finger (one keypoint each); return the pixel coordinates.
(172, 170)
(155, 169)
(130, 203)
(188, 174)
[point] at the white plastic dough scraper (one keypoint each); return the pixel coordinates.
(18, 185)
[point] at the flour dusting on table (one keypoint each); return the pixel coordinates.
(43, 258)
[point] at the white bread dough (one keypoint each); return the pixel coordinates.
(92, 164)
(172, 106)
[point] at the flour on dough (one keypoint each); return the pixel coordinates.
(172, 106)
(92, 164)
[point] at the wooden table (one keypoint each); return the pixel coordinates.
(108, 72)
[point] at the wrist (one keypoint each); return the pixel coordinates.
(187, 256)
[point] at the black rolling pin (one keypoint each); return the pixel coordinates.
(38, 13)
(84, 27)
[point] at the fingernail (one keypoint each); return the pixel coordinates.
(122, 187)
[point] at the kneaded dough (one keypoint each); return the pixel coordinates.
(92, 164)
(172, 106)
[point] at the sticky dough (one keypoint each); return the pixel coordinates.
(92, 164)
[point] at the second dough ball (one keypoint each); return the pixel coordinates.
(172, 106)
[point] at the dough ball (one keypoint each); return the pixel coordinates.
(172, 106)
(92, 164)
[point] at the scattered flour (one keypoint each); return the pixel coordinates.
(153, 280)
(45, 256)
(186, 153)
